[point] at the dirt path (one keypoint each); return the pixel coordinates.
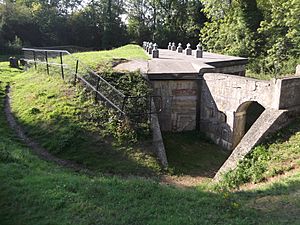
(34, 146)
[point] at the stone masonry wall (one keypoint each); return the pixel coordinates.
(179, 99)
(220, 99)
(290, 92)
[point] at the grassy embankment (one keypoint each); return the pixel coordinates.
(68, 123)
(33, 191)
(64, 119)
(36, 192)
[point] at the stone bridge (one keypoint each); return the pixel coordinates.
(212, 95)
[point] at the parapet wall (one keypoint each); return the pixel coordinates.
(225, 98)
(289, 92)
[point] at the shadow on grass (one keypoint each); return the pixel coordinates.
(277, 203)
(67, 140)
(35, 192)
(190, 153)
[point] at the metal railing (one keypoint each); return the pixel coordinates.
(71, 69)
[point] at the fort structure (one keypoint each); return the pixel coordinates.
(212, 95)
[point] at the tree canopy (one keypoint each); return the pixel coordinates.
(266, 31)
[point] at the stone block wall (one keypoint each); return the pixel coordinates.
(221, 97)
(289, 92)
(179, 99)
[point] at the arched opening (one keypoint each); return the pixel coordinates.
(244, 118)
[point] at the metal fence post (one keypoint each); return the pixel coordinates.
(61, 66)
(124, 102)
(47, 65)
(76, 71)
(97, 89)
(34, 59)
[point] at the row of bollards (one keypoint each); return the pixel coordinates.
(188, 50)
(152, 49)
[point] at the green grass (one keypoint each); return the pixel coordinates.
(190, 153)
(72, 127)
(33, 191)
(278, 154)
(65, 120)
(129, 52)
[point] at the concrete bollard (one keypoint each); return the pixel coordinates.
(155, 51)
(150, 49)
(13, 62)
(188, 50)
(199, 51)
(173, 47)
(170, 46)
(179, 48)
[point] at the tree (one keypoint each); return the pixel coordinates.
(232, 28)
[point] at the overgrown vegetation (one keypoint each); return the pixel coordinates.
(265, 31)
(278, 154)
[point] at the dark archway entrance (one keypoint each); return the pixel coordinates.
(244, 118)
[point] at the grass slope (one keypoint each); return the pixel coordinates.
(129, 52)
(36, 192)
(279, 153)
(65, 120)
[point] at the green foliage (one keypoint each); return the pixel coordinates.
(267, 32)
(281, 33)
(278, 154)
(232, 28)
(250, 169)
(165, 21)
(42, 23)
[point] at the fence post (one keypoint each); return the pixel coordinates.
(124, 102)
(97, 89)
(61, 66)
(150, 106)
(76, 71)
(47, 65)
(34, 59)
